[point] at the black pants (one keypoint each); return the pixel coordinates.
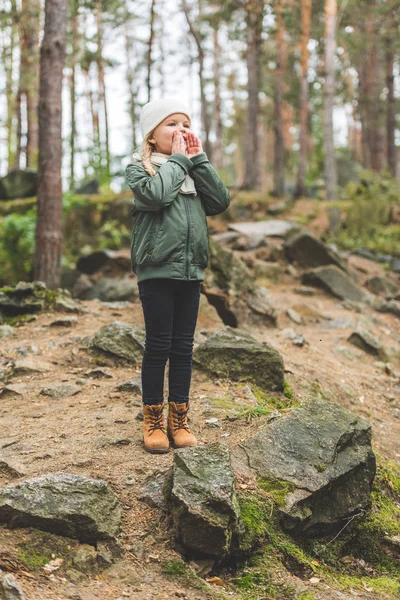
(170, 309)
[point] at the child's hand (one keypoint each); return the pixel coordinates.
(193, 144)
(178, 143)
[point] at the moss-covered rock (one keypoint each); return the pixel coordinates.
(322, 455)
(234, 354)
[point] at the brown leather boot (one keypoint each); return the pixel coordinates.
(178, 428)
(154, 437)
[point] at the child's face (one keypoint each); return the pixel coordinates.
(165, 130)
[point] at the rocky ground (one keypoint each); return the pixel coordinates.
(95, 430)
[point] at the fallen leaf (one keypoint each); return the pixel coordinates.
(215, 581)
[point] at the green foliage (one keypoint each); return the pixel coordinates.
(174, 566)
(17, 244)
(367, 222)
(276, 488)
(113, 235)
(266, 403)
(287, 390)
(34, 559)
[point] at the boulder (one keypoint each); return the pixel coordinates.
(382, 286)
(116, 262)
(308, 251)
(28, 298)
(230, 288)
(234, 354)
(270, 227)
(18, 184)
(62, 503)
(369, 343)
(336, 282)
(112, 290)
(121, 340)
(204, 506)
(10, 588)
(321, 455)
(90, 186)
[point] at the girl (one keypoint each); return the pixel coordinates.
(174, 187)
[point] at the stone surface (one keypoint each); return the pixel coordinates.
(6, 331)
(62, 503)
(28, 366)
(323, 453)
(18, 183)
(133, 385)
(234, 354)
(111, 290)
(61, 390)
(369, 343)
(114, 260)
(382, 286)
(154, 490)
(308, 251)
(204, 505)
(271, 227)
(10, 588)
(336, 282)
(230, 288)
(121, 340)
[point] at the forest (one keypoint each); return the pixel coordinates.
(293, 489)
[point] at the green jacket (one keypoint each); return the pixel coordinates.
(169, 234)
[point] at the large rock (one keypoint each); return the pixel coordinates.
(120, 339)
(336, 282)
(382, 286)
(62, 503)
(230, 288)
(271, 227)
(27, 298)
(322, 453)
(308, 251)
(18, 184)
(234, 354)
(110, 289)
(115, 261)
(204, 505)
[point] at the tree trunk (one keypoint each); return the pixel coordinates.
(330, 51)
(205, 120)
(150, 48)
(218, 147)
(102, 86)
(279, 146)
(304, 108)
(254, 29)
(29, 23)
(72, 85)
(391, 109)
(11, 98)
(47, 265)
(130, 78)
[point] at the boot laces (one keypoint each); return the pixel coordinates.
(157, 419)
(180, 420)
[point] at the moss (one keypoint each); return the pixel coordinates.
(174, 567)
(276, 488)
(287, 390)
(389, 586)
(306, 596)
(34, 559)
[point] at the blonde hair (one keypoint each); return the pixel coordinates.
(147, 151)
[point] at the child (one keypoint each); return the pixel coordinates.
(174, 187)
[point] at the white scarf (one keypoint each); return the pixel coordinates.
(158, 158)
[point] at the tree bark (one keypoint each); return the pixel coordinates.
(150, 48)
(329, 97)
(29, 23)
(306, 7)
(218, 147)
(47, 265)
(254, 14)
(102, 86)
(205, 120)
(72, 87)
(391, 109)
(279, 146)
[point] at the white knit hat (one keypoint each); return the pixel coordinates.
(153, 113)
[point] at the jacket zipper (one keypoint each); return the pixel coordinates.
(187, 239)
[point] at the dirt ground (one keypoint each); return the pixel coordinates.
(96, 432)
